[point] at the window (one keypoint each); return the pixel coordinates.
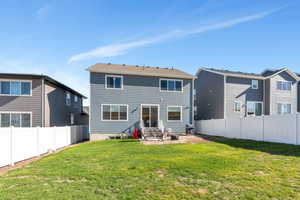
(15, 119)
(254, 108)
(68, 99)
(72, 117)
(76, 98)
(114, 112)
(15, 88)
(114, 82)
(286, 86)
(171, 85)
(174, 113)
(254, 84)
(237, 107)
(284, 108)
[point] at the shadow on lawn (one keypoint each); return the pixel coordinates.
(267, 147)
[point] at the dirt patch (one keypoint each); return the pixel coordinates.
(21, 164)
(201, 191)
(192, 139)
(161, 173)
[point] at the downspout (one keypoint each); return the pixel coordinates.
(43, 102)
(264, 98)
(224, 97)
(193, 101)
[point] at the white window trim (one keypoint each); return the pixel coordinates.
(254, 88)
(114, 76)
(262, 108)
(283, 104)
(105, 120)
(240, 106)
(17, 80)
(164, 79)
(180, 113)
(284, 82)
(14, 112)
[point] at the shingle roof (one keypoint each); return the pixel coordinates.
(264, 75)
(139, 70)
(235, 73)
(47, 78)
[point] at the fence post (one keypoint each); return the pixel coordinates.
(54, 139)
(263, 132)
(12, 163)
(297, 125)
(240, 128)
(38, 140)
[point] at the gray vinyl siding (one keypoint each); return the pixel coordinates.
(239, 89)
(267, 96)
(57, 113)
(286, 97)
(209, 101)
(137, 90)
(25, 103)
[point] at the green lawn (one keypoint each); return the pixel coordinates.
(225, 169)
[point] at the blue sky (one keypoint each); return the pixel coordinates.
(61, 38)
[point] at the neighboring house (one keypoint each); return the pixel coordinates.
(222, 93)
(29, 100)
(121, 96)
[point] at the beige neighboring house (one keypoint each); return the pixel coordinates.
(30, 100)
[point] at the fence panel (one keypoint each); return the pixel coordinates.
(25, 143)
(17, 144)
(46, 140)
(252, 128)
(61, 137)
(5, 141)
(275, 128)
(280, 128)
(233, 128)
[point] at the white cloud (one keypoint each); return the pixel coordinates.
(120, 49)
(43, 11)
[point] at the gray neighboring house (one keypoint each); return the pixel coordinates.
(223, 93)
(121, 96)
(30, 100)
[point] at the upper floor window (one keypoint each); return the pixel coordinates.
(15, 88)
(113, 82)
(76, 98)
(171, 85)
(68, 99)
(254, 84)
(284, 108)
(284, 85)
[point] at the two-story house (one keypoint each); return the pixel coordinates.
(30, 100)
(222, 93)
(121, 96)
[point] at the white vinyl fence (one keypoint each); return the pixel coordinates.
(17, 144)
(276, 128)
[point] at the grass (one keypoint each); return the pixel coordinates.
(225, 169)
